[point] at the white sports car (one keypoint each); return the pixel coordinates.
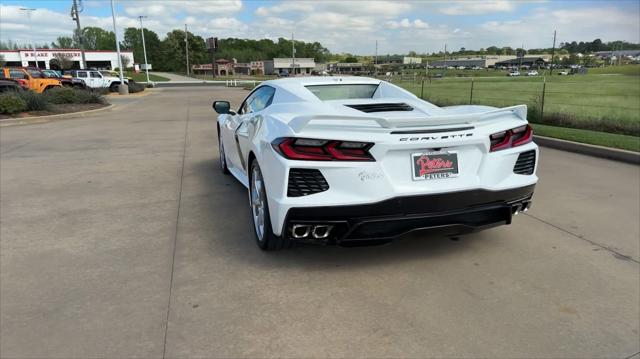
(347, 160)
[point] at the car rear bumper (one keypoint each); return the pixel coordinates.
(453, 213)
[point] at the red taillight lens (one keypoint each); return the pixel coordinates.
(511, 138)
(307, 149)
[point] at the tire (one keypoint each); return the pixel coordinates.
(113, 87)
(221, 155)
(258, 204)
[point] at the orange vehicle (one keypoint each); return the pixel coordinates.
(36, 80)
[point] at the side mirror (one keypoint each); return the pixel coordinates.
(222, 107)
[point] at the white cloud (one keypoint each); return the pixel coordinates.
(346, 26)
(171, 7)
(406, 24)
(478, 7)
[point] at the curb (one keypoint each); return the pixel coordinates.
(589, 150)
(43, 119)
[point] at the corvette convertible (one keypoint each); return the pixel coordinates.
(352, 160)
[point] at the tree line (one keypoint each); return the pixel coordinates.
(168, 54)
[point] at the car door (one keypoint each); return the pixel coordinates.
(228, 133)
(236, 130)
(96, 79)
(250, 120)
(82, 75)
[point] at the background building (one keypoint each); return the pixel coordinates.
(408, 60)
(58, 59)
(281, 66)
(352, 68)
(480, 61)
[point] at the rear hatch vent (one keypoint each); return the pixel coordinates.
(526, 163)
(381, 107)
(303, 182)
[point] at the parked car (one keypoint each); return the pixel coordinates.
(513, 73)
(35, 79)
(563, 72)
(65, 81)
(95, 80)
(532, 73)
(346, 160)
(9, 85)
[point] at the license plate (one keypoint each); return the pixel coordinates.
(434, 165)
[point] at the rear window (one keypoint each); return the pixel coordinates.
(343, 92)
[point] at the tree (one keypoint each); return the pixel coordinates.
(96, 38)
(63, 42)
(133, 41)
(64, 60)
(124, 61)
(173, 52)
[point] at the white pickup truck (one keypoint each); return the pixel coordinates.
(94, 79)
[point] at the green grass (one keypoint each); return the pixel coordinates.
(629, 143)
(603, 102)
(142, 77)
(633, 70)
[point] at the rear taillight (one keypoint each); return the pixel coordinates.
(307, 149)
(511, 138)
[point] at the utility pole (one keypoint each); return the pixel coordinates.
(186, 46)
(293, 55)
(375, 60)
(553, 52)
(445, 56)
(75, 15)
(144, 48)
(123, 89)
(35, 51)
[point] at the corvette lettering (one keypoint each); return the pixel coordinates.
(434, 138)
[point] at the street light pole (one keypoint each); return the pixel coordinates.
(186, 46)
(123, 89)
(35, 51)
(144, 49)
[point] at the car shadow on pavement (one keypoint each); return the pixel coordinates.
(227, 227)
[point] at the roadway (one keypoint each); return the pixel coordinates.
(119, 237)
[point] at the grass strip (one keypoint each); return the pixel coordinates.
(624, 142)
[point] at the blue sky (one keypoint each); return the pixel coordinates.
(347, 26)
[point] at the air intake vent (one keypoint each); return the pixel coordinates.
(382, 107)
(526, 163)
(303, 182)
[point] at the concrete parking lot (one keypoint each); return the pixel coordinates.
(120, 237)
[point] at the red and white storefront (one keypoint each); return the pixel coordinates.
(50, 58)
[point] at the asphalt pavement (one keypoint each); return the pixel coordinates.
(120, 237)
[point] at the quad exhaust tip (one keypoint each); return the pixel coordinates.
(319, 231)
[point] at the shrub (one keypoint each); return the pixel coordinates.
(64, 95)
(34, 101)
(11, 103)
(135, 87)
(61, 95)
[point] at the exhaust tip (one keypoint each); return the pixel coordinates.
(300, 231)
(321, 231)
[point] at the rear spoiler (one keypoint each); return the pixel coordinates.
(301, 122)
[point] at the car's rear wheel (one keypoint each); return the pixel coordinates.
(265, 238)
(114, 87)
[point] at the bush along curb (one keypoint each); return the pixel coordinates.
(589, 150)
(42, 119)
